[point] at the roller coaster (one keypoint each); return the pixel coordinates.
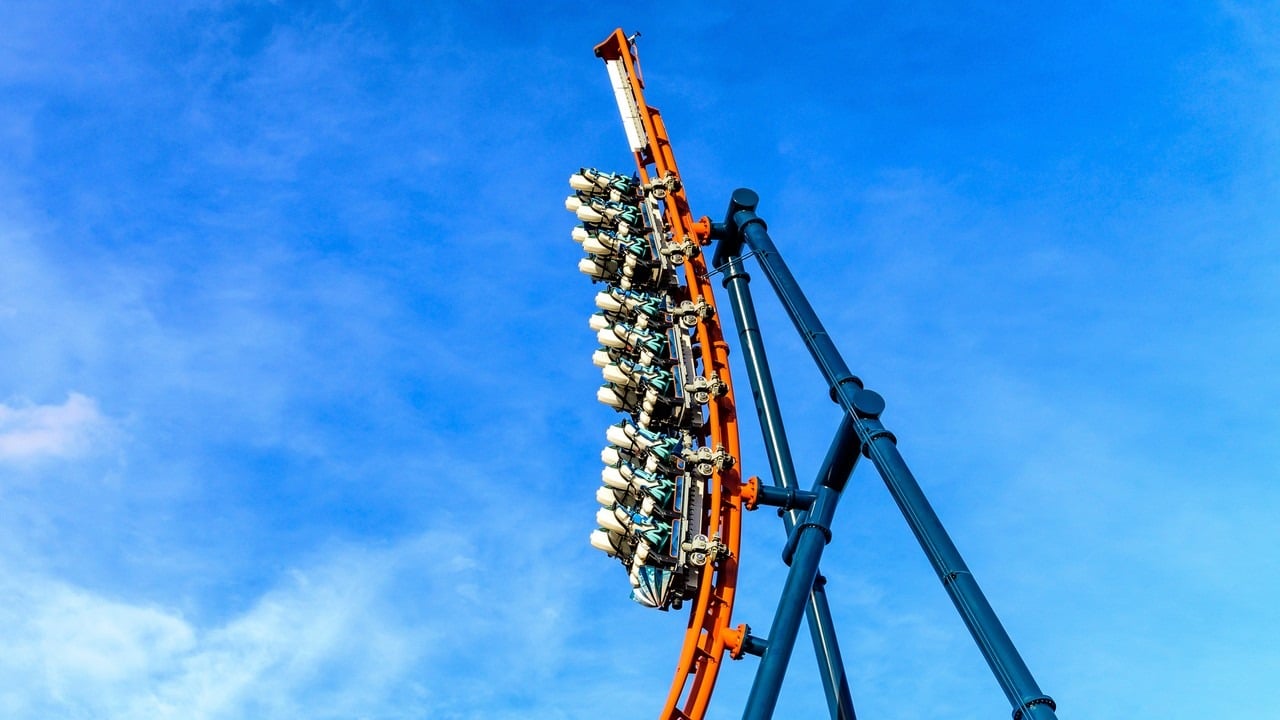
(672, 493)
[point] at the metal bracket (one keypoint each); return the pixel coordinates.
(706, 461)
(703, 388)
(739, 641)
(755, 494)
(702, 549)
(678, 252)
(689, 313)
(659, 188)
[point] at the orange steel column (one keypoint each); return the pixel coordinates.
(709, 633)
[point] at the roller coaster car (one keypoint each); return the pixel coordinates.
(652, 516)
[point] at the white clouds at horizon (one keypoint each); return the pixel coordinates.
(427, 625)
(324, 643)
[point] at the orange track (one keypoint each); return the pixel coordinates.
(709, 634)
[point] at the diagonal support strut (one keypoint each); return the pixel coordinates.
(862, 409)
(817, 611)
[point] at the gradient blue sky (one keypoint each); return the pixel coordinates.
(297, 414)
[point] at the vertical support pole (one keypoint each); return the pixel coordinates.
(817, 610)
(803, 552)
(879, 445)
(826, 648)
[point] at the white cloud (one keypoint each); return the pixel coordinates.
(70, 650)
(322, 644)
(29, 432)
(417, 628)
(327, 641)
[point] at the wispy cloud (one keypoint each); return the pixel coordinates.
(31, 432)
(326, 641)
(435, 625)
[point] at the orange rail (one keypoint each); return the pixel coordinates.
(709, 634)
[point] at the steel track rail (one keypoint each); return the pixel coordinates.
(709, 634)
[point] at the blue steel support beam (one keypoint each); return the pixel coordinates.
(879, 445)
(805, 545)
(835, 682)
(787, 499)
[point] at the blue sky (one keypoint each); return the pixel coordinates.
(297, 413)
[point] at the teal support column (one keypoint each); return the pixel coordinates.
(803, 552)
(835, 682)
(863, 408)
